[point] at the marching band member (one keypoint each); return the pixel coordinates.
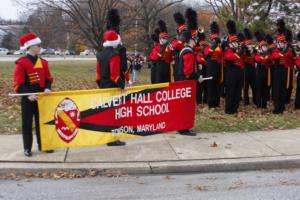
(271, 47)
(187, 65)
(153, 56)
(201, 63)
(290, 61)
(234, 66)
(297, 63)
(280, 57)
(31, 75)
(111, 64)
(176, 45)
(163, 57)
(262, 61)
(249, 71)
(213, 54)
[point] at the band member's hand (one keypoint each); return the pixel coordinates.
(32, 98)
(200, 79)
(130, 83)
(200, 66)
(47, 91)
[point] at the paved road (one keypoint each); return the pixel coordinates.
(264, 185)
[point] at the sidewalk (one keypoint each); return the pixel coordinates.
(165, 153)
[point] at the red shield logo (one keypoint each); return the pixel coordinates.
(67, 120)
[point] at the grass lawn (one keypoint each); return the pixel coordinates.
(81, 75)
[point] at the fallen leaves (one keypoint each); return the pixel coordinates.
(201, 188)
(61, 174)
(214, 145)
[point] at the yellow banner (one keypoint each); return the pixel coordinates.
(95, 117)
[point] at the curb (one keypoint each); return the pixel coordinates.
(161, 167)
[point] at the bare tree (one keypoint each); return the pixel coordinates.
(243, 11)
(147, 14)
(86, 18)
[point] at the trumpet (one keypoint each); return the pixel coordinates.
(201, 29)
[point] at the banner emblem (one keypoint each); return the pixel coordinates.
(67, 120)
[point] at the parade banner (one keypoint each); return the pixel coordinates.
(94, 117)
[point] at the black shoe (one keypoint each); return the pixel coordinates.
(27, 153)
(49, 151)
(116, 143)
(187, 133)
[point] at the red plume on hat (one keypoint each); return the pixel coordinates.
(28, 40)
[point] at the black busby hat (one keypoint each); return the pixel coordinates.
(298, 36)
(113, 20)
(155, 35)
(288, 35)
(201, 36)
(231, 30)
(241, 37)
(163, 31)
(269, 39)
(192, 21)
(280, 26)
(248, 34)
(260, 37)
(214, 30)
(180, 21)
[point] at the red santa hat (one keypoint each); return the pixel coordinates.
(111, 39)
(28, 40)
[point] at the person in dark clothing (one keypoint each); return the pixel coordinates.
(202, 67)
(297, 63)
(249, 70)
(112, 69)
(271, 47)
(262, 61)
(163, 57)
(280, 57)
(152, 56)
(213, 54)
(31, 75)
(234, 66)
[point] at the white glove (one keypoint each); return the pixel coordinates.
(32, 98)
(47, 91)
(200, 79)
(130, 83)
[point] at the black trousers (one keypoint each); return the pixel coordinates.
(29, 111)
(233, 84)
(279, 88)
(214, 85)
(270, 94)
(163, 72)
(249, 81)
(290, 88)
(175, 70)
(261, 86)
(297, 100)
(202, 88)
(222, 85)
(153, 72)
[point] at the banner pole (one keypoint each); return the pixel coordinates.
(20, 95)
